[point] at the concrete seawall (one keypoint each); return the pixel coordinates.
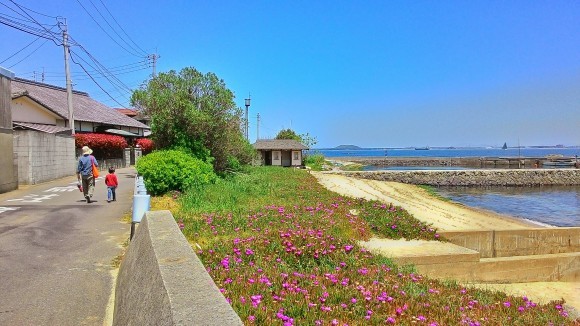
(161, 280)
(495, 177)
(525, 242)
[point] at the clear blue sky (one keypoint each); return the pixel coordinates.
(369, 73)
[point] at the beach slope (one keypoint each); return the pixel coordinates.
(444, 215)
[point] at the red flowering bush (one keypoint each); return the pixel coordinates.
(145, 144)
(104, 146)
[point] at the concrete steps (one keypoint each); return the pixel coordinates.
(531, 255)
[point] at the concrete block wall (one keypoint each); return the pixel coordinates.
(8, 172)
(496, 177)
(43, 157)
(161, 280)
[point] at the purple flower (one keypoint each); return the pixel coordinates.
(507, 304)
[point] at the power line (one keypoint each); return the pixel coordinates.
(36, 12)
(101, 27)
(24, 48)
(95, 81)
(29, 29)
(121, 27)
(34, 20)
(113, 29)
(31, 53)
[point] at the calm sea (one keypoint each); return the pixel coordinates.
(456, 152)
(553, 205)
(558, 206)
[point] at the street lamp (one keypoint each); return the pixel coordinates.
(246, 131)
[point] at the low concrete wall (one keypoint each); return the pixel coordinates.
(162, 281)
(503, 177)
(507, 243)
(43, 156)
(540, 268)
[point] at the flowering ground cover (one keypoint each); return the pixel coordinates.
(283, 250)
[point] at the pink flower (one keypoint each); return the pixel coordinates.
(507, 304)
(390, 320)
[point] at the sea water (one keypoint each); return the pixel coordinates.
(449, 152)
(553, 205)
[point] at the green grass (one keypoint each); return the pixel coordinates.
(284, 250)
(433, 192)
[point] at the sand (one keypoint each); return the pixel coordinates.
(444, 215)
(453, 216)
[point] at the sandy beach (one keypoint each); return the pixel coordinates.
(448, 216)
(452, 216)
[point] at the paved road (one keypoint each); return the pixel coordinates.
(56, 252)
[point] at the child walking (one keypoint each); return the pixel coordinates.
(112, 183)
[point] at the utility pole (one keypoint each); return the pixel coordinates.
(68, 82)
(154, 58)
(258, 128)
(246, 130)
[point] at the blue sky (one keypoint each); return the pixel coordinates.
(369, 73)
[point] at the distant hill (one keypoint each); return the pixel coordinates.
(347, 147)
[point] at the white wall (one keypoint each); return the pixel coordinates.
(276, 157)
(296, 158)
(26, 110)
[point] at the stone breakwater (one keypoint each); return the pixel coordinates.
(466, 178)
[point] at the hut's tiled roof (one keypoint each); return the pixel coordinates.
(85, 108)
(278, 144)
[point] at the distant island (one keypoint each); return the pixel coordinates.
(347, 147)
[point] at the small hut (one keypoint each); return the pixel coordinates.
(280, 152)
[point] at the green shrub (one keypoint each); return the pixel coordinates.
(167, 170)
(314, 161)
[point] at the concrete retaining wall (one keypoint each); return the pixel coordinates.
(43, 157)
(507, 243)
(503, 177)
(539, 268)
(162, 281)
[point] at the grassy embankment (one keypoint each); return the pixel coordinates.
(283, 251)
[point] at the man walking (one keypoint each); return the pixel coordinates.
(85, 172)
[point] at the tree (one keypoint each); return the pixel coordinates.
(305, 139)
(288, 134)
(194, 111)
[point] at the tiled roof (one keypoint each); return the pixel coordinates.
(51, 129)
(127, 112)
(278, 144)
(85, 108)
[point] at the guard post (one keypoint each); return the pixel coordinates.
(141, 203)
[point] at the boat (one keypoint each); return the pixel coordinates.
(504, 146)
(422, 148)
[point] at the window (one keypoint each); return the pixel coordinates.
(296, 156)
(276, 156)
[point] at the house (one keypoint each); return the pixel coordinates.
(44, 107)
(137, 115)
(280, 152)
(42, 146)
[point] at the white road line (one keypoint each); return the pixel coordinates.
(32, 198)
(6, 209)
